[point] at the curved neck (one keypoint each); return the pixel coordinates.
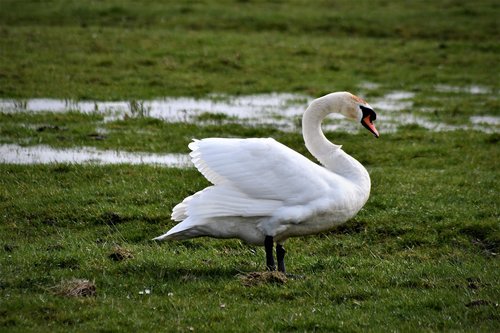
(327, 153)
(315, 140)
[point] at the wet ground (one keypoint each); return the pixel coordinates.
(42, 154)
(282, 110)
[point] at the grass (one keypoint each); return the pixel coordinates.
(147, 49)
(422, 255)
(132, 134)
(417, 257)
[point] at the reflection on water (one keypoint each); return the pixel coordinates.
(15, 154)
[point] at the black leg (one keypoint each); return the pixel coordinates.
(280, 255)
(268, 245)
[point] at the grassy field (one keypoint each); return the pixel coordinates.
(422, 255)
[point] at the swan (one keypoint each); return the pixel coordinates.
(264, 192)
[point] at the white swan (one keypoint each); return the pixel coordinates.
(264, 191)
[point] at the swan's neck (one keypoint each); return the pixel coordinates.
(327, 153)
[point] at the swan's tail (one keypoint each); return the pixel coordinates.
(183, 230)
(215, 202)
(170, 236)
(177, 235)
(163, 237)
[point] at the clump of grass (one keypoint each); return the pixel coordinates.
(481, 302)
(215, 118)
(8, 248)
(76, 288)
(138, 109)
(119, 254)
(259, 278)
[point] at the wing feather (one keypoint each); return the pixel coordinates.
(253, 178)
(261, 169)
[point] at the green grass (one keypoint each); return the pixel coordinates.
(115, 49)
(132, 134)
(416, 257)
(422, 255)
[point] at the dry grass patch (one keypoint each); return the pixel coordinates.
(119, 253)
(76, 288)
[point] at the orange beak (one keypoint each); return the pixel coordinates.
(369, 125)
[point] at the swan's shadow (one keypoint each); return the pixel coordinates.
(217, 274)
(196, 273)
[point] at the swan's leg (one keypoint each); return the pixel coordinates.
(268, 245)
(280, 255)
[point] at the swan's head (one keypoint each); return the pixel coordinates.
(345, 103)
(357, 109)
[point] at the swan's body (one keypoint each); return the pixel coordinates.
(264, 191)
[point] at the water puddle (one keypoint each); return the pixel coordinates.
(394, 101)
(472, 89)
(15, 154)
(278, 110)
(258, 108)
(282, 110)
(489, 120)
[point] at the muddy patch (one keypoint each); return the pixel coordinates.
(259, 278)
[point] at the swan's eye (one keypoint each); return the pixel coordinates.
(368, 112)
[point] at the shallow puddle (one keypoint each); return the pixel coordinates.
(490, 120)
(472, 89)
(260, 108)
(15, 154)
(281, 110)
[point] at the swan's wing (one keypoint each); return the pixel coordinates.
(262, 169)
(222, 201)
(252, 178)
